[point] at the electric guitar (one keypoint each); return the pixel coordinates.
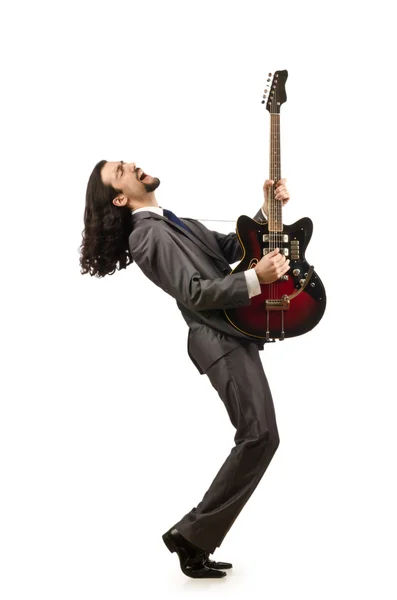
(295, 303)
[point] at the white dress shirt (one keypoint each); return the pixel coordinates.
(251, 277)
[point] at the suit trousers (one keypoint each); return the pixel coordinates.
(241, 383)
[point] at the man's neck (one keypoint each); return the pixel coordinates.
(151, 201)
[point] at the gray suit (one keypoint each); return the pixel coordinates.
(194, 269)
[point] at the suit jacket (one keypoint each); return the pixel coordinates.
(194, 268)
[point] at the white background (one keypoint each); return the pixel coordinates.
(101, 449)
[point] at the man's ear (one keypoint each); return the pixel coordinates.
(120, 201)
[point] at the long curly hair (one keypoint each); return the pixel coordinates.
(106, 229)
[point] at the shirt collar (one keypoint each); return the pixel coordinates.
(156, 209)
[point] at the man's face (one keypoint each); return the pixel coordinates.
(129, 178)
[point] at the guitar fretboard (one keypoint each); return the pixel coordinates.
(275, 206)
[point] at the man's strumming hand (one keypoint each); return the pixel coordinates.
(272, 266)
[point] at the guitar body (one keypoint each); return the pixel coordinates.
(305, 310)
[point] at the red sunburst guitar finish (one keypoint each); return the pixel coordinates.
(294, 304)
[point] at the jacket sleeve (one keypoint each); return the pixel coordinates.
(162, 260)
(229, 244)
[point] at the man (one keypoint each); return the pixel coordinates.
(191, 263)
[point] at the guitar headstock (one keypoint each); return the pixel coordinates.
(277, 95)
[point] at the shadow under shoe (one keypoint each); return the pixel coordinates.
(192, 559)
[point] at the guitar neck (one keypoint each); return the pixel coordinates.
(275, 206)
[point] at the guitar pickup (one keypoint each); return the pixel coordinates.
(280, 238)
(282, 251)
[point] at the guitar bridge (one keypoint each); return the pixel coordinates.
(282, 304)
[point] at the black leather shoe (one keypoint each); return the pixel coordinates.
(213, 564)
(192, 559)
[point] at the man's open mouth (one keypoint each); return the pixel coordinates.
(143, 176)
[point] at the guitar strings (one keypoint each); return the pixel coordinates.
(270, 195)
(276, 203)
(273, 168)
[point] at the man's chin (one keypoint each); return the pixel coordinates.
(153, 185)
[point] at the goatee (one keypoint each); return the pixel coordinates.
(153, 185)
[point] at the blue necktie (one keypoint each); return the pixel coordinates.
(170, 215)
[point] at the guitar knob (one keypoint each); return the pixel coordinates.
(296, 272)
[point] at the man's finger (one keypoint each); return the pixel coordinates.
(273, 252)
(283, 269)
(278, 258)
